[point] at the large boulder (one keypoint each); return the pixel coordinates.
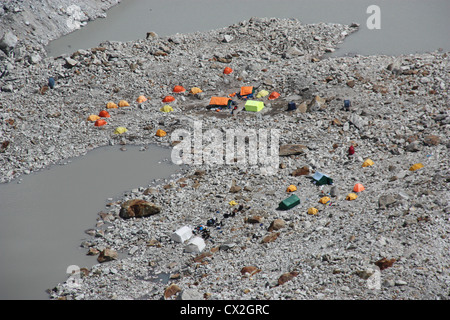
(8, 42)
(137, 208)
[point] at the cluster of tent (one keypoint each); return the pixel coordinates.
(323, 179)
(99, 120)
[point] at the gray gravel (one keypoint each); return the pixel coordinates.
(396, 102)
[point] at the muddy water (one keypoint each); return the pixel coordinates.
(407, 26)
(43, 218)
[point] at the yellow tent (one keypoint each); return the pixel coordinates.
(120, 130)
(93, 117)
(195, 90)
(141, 99)
(166, 108)
(312, 211)
(367, 163)
(262, 94)
(324, 200)
(161, 133)
(111, 105)
(232, 203)
(123, 103)
(416, 166)
(351, 196)
(291, 188)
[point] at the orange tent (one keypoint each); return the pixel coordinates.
(141, 99)
(104, 114)
(168, 99)
(291, 188)
(219, 101)
(274, 95)
(111, 105)
(246, 91)
(100, 122)
(123, 103)
(160, 133)
(227, 70)
(358, 187)
(179, 89)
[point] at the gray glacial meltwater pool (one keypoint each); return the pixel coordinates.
(43, 218)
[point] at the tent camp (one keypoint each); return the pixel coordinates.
(321, 179)
(255, 106)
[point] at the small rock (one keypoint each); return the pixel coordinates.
(287, 277)
(107, 255)
(171, 290)
(277, 224)
(138, 208)
(190, 294)
(301, 171)
(385, 201)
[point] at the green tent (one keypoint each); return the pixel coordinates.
(289, 203)
(255, 106)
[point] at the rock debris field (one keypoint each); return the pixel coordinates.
(391, 242)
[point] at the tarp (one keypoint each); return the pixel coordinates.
(120, 130)
(262, 94)
(123, 103)
(166, 108)
(254, 106)
(367, 163)
(416, 167)
(111, 105)
(93, 117)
